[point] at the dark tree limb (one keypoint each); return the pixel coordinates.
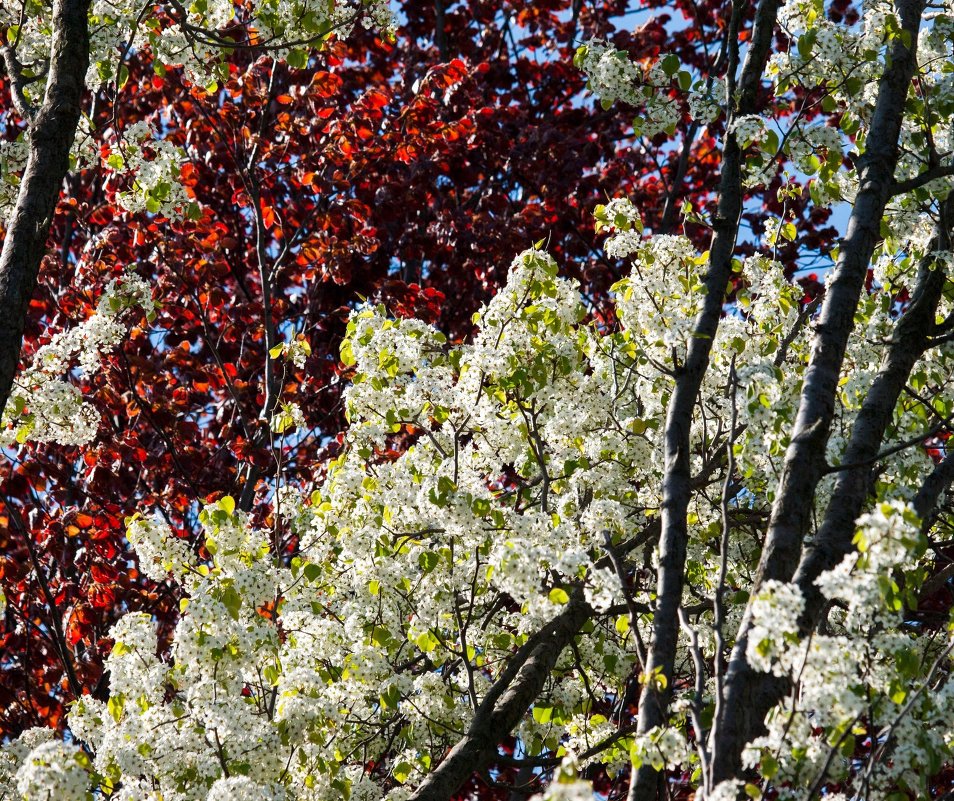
(14, 70)
(51, 132)
(750, 695)
(919, 180)
(505, 703)
(853, 486)
(936, 483)
(677, 478)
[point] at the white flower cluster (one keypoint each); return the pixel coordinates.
(662, 747)
(54, 770)
(753, 132)
(707, 101)
(857, 678)
(13, 158)
(565, 785)
(153, 167)
(160, 552)
(621, 218)
(287, 416)
(811, 146)
(659, 302)
(888, 539)
(276, 22)
(749, 129)
(775, 612)
(296, 351)
(14, 753)
(44, 406)
(611, 74)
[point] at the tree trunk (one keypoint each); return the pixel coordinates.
(750, 695)
(51, 133)
(677, 479)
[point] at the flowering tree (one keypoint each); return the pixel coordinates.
(425, 179)
(688, 541)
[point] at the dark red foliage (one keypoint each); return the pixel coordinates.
(407, 173)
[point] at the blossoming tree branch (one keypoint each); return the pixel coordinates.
(691, 540)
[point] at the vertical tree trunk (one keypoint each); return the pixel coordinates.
(677, 479)
(750, 695)
(51, 133)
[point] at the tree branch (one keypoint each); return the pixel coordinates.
(505, 703)
(919, 180)
(750, 695)
(937, 482)
(52, 130)
(14, 71)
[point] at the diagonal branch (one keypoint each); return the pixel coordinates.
(750, 695)
(936, 483)
(919, 180)
(14, 71)
(505, 703)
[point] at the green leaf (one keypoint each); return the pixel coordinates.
(559, 596)
(347, 354)
(426, 642)
(428, 561)
(297, 59)
(115, 706)
(806, 42)
(390, 697)
(543, 714)
(580, 56)
(232, 602)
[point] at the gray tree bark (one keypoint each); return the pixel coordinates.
(750, 695)
(52, 128)
(677, 479)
